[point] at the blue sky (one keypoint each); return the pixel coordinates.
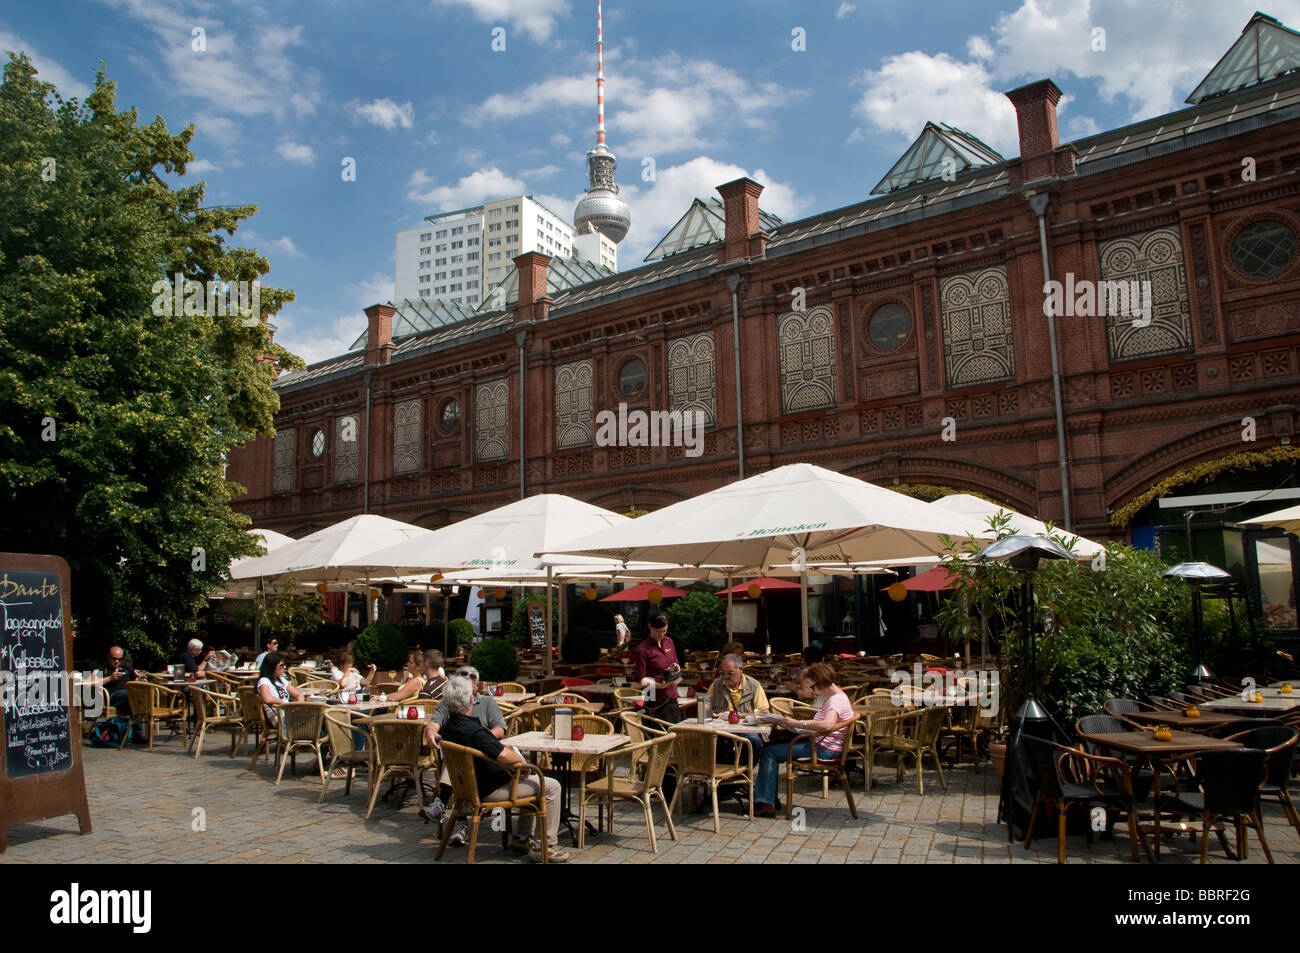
(436, 119)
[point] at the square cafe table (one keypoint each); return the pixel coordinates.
(720, 724)
(1147, 748)
(1271, 705)
(1177, 719)
(564, 749)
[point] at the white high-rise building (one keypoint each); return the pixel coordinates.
(461, 256)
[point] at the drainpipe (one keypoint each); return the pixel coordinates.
(1038, 203)
(365, 495)
(733, 285)
(520, 339)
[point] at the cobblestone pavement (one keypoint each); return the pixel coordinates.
(145, 808)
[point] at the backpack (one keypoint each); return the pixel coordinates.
(109, 732)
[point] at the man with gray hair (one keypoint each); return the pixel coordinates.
(733, 690)
(189, 658)
(462, 728)
(485, 709)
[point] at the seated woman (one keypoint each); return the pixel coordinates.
(348, 677)
(273, 687)
(414, 677)
(818, 683)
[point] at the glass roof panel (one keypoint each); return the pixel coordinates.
(938, 149)
(1265, 50)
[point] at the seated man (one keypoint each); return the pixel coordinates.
(190, 658)
(733, 690)
(462, 728)
(116, 676)
(485, 709)
(435, 679)
(269, 644)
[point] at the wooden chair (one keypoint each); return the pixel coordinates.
(697, 761)
(397, 755)
(213, 711)
(340, 730)
(642, 789)
(561, 698)
(300, 726)
(512, 688)
(815, 766)
(253, 716)
(298, 675)
(467, 803)
(156, 705)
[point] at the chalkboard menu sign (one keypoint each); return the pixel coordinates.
(537, 624)
(40, 774)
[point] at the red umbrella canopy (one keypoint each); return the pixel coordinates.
(764, 583)
(933, 580)
(641, 592)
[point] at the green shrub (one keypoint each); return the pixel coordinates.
(697, 622)
(459, 632)
(381, 644)
(580, 647)
(495, 659)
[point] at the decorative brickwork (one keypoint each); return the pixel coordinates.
(807, 342)
(691, 386)
(282, 468)
(491, 422)
(347, 449)
(406, 436)
(573, 420)
(1155, 256)
(978, 346)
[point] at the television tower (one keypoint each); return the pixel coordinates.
(601, 208)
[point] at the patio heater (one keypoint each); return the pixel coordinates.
(1196, 575)
(1023, 553)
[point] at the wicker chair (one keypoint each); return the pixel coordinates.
(209, 714)
(101, 707)
(512, 688)
(467, 803)
(792, 708)
(1045, 758)
(156, 705)
(319, 686)
(1230, 781)
(561, 698)
(397, 755)
(344, 752)
(916, 734)
(1279, 743)
(697, 761)
(300, 726)
(627, 698)
(1119, 707)
(385, 688)
(641, 785)
(815, 766)
(253, 716)
(875, 722)
(586, 767)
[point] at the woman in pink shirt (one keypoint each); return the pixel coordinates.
(818, 682)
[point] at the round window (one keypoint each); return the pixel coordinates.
(889, 326)
(449, 419)
(631, 378)
(318, 443)
(1264, 249)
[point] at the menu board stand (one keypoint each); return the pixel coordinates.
(41, 774)
(537, 624)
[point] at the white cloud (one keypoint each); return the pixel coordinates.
(201, 166)
(1081, 127)
(657, 107)
(844, 10)
(385, 113)
(560, 140)
(246, 68)
(1154, 54)
(432, 138)
(284, 245)
(296, 152)
(479, 186)
(535, 17)
(545, 172)
(657, 206)
(47, 70)
(910, 88)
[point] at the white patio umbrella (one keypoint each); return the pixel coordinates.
(504, 543)
(800, 513)
(338, 553)
(981, 510)
(242, 588)
(1287, 519)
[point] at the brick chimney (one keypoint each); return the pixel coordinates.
(533, 299)
(1041, 153)
(379, 337)
(744, 236)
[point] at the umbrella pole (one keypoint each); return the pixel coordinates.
(369, 610)
(730, 636)
(549, 634)
(428, 609)
(564, 622)
(803, 603)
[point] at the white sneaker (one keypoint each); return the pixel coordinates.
(554, 854)
(459, 836)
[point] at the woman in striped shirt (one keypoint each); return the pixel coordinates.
(817, 682)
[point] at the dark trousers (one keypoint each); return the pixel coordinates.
(669, 711)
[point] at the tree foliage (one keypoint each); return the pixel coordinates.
(115, 421)
(293, 613)
(697, 621)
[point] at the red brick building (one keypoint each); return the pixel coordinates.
(901, 340)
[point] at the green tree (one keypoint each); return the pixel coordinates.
(697, 621)
(115, 420)
(293, 613)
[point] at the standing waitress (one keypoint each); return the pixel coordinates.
(656, 666)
